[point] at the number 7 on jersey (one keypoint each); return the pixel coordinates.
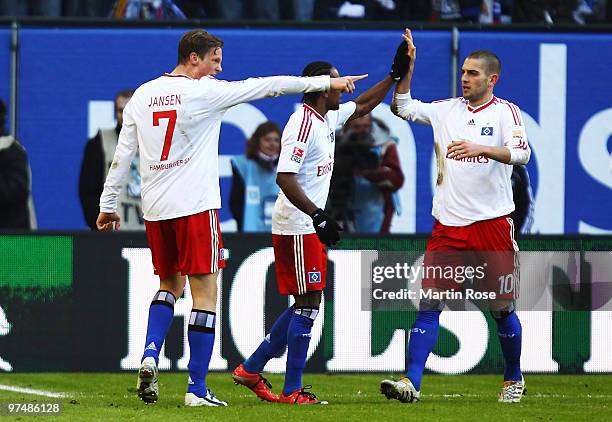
(171, 116)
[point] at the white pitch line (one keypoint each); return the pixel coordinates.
(32, 391)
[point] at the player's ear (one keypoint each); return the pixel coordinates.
(493, 79)
(193, 57)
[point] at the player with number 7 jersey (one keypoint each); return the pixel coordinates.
(174, 122)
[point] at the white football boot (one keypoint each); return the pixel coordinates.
(401, 390)
(512, 391)
(148, 390)
(208, 400)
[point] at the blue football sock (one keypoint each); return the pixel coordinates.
(298, 339)
(509, 331)
(423, 337)
(201, 336)
(161, 313)
(272, 345)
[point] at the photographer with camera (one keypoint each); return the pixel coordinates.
(367, 176)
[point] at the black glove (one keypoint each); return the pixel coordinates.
(326, 227)
(401, 61)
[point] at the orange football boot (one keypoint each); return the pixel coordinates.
(257, 383)
(300, 396)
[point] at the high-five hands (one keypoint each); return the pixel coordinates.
(404, 56)
(345, 83)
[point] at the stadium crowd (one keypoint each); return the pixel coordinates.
(478, 11)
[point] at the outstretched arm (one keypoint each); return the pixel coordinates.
(372, 97)
(223, 94)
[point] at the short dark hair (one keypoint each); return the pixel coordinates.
(197, 41)
(125, 93)
(262, 130)
(317, 68)
(493, 63)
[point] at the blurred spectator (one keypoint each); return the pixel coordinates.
(88, 8)
(147, 9)
(97, 158)
(303, 10)
(230, 9)
(195, 9)
(414, 10)
(357, 9)
(446, 10)
(16, 211)
(523, 200)
(548, 11)
(583, 11)
(31, 7)
(254, 188)
(366, 177)
(267, 10)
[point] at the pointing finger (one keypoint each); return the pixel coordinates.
(357, 78)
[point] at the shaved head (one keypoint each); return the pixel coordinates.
(491, 61)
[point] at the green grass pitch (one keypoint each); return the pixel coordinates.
(102, 396)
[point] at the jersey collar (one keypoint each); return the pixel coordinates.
(177, 75)
(317, 115)
(482, 107)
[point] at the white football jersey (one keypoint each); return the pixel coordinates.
(174, 121)
(476, 188)
(307, 148)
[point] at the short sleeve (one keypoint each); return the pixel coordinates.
(295, 141)
(345, 111)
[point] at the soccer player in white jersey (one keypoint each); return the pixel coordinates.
(302, 231)
(478, 138)
(174, 122)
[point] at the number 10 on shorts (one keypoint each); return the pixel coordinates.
(506, 284)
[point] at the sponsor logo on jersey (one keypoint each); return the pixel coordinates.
(297, 155)
(487, 131)
(518, 133)
(324, 169)
(478, 160)
(314, 276)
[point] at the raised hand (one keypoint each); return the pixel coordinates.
(404, 56)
